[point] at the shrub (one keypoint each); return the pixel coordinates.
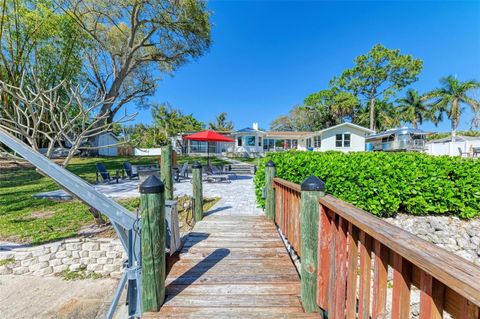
(386, 183)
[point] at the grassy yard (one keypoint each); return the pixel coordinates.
(30, 220)
(247, 160)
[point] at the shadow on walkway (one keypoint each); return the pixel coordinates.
(216, 210)
(196, 272)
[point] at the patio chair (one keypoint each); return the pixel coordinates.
(462, 152)
(103, 174)
(182, 173)
(130, 170)
(215, 171)
(213, 178)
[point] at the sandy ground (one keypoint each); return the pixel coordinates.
(53, 297)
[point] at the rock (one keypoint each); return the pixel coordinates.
(4, 270)
(97, 254)
(38, 266)
(60, 268)
(43, 271)
(90, 246)
(23, 255)
(63, 254)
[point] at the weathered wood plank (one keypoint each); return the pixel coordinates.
(230, 289)
(233, 269)
(351, 303)
(341, 263)
(401, 287)
(365, 275)
(231, 313)
(379, 299)
(431, 297)
(324, 242)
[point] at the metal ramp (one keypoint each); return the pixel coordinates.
(126, 224)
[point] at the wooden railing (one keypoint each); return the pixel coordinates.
(287, 211)
(356, 250)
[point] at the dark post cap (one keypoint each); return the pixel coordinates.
(270, 163)
(313, 183)
(152, 185)
(197, 165)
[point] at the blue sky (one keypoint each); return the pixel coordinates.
(267, 56)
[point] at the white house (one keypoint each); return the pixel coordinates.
(463, 146)
(252, 142)
(345, 137)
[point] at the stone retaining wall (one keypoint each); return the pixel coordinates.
(461, 237)
(103, 256)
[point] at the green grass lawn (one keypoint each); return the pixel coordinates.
(30, 220)
(249, 160)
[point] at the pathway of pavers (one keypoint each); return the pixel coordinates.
(236, 197)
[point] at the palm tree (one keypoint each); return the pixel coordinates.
(451, 97)
(386, 116)
(412, 108)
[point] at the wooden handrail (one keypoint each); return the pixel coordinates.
(455, 272)
(351, 240)
(292, 186)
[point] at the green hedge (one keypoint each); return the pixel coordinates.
(386, 183)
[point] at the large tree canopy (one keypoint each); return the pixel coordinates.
(135, 42)
(380, 73)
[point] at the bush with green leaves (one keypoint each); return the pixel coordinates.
(386, 183)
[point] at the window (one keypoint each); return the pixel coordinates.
(239, 141)
(342, 140)
(250, 140)
(259, 141)
(308, 142)
(317, 141)
(294, 144)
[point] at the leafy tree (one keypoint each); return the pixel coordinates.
(299, 119)
(331, 106)
(171, 121)
(35, 34)
(144, 136)
(381, 72)
(386, 116)
(413, 109)
(221, 124)
(134, 41)
(451, 98)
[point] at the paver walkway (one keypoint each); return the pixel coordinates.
(233, 266)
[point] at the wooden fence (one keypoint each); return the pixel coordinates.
(356, 253)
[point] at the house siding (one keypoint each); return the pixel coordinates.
(357, 139)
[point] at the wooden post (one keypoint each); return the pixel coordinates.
(152, 209)
(166, 171)
(312, 189)
(270, 192)
(197, 191)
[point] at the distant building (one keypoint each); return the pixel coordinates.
(106, 143)
(463, 146)
(397, 139)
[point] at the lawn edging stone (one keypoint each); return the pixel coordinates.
(103, 256)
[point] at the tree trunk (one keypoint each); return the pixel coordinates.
(454, 129)
(372, 113)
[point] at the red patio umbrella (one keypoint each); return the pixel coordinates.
(209, 136)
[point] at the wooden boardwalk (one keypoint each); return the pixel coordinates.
(233, 267)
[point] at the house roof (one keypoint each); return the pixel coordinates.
(248, 130)
(459, 138)
(287, 134)
(366, 130)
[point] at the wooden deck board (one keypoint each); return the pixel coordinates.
(233, 267)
